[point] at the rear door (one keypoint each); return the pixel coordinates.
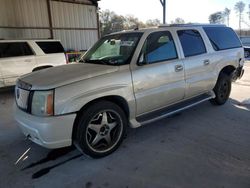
(197, 62)
(50, 53)
(17, 58)
(159, 77)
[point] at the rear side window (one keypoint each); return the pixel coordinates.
(222, 38)
(158, 47)
(192, 42)
(51, 47)
(15, 49)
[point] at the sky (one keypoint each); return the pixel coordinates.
(195, 11)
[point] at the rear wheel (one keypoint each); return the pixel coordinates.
(100, 129)
(222, 89)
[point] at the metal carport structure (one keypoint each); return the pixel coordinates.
(74, 22)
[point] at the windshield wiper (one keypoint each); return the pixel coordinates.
(98, 61)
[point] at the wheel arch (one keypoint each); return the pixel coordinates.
(41, 67)
(229, 69)
(120, 101)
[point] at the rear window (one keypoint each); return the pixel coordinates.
(192, 42)
(222, 38)
(51, 47)
(15, 49)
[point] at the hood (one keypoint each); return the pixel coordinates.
(62, 75)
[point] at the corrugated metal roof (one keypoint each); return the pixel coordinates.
(75, 24)
(94, 2)
(69, 15)
(76, 39)
(25, 13)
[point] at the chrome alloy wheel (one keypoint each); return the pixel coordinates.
(104, 131)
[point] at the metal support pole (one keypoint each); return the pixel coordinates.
(163, 3)
(50, 20)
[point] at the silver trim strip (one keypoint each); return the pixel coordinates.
(176, 111)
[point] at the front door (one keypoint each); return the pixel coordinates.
(159, 77)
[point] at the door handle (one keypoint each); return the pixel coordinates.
(206, 62)
(178, 68)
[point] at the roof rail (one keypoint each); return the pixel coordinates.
(192, 25)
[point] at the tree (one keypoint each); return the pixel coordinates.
(111, 22)
(105, 20)
(248, 11)
(153, 23)
(216, 18)
(117, 23)
(178, 21)
(239, 9)
(132, 22)
(227, 14)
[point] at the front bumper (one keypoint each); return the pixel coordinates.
(50, 132)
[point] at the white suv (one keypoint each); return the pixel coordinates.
(128, 78)
(19, 57)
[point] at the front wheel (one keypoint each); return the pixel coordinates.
(100, 129)
(222, 89)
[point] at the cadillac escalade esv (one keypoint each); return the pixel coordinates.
(127, 78)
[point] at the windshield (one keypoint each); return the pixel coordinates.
(114, 49)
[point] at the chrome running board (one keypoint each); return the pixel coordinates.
(173, 109)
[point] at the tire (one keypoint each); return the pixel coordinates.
(222, 89)
(100, 129)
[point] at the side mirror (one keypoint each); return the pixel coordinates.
(112, 42)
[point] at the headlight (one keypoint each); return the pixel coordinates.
(43, 103)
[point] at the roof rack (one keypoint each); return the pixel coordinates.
(192, 25)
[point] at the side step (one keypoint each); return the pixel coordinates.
(170, 110)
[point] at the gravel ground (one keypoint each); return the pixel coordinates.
(206, 146)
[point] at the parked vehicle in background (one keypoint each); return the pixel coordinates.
(246, 44)
(19, 57)
(128, 78)
(72, 56)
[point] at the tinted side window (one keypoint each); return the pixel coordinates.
(14, 49)
(222, 38)
(192, 42)
(159, 46)
(51, 47)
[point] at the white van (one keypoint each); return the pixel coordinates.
(19, 57)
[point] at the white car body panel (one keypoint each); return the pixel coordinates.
(12, 68)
